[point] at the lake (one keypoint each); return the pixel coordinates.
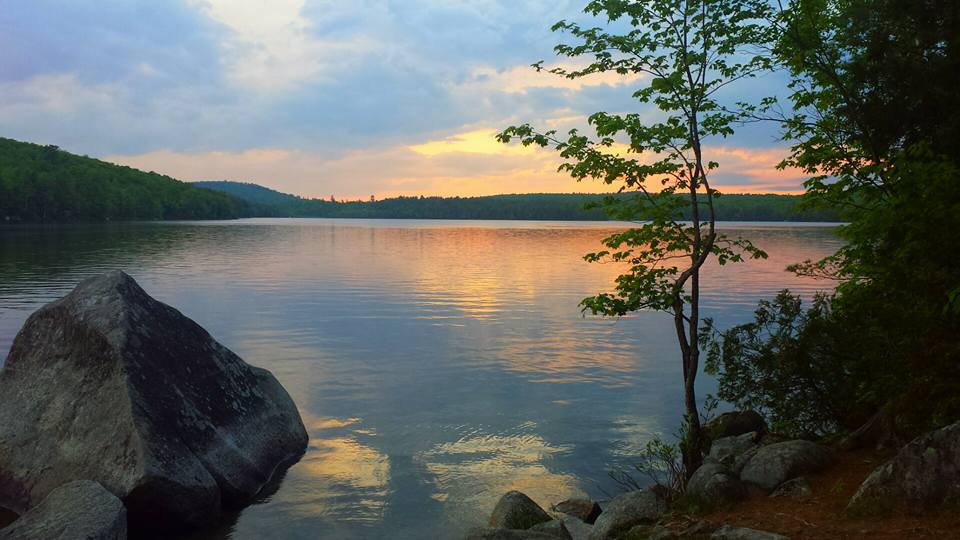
(436, 364)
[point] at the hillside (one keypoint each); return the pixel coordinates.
(535, 206)
(43, 184)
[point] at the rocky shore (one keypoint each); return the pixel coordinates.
(750, 472)
(118, 413)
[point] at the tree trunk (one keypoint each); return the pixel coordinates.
(692, 445)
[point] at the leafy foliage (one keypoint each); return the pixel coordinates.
(798, 368)
(876, 121)
(46, 184)
(659, 462)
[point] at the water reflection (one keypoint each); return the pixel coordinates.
(479, 467)
(436, 364)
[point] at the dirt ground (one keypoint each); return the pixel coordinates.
(822, 516)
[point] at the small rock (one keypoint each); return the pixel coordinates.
(700, 528)
(586, 510)
(773, 465)
(923, 477)
(662, 533)
(626, 511)
(741, 461)
(649, 532)
(727, 449)
(638, 532)
(578, 529)
(79, 510)
(517, 511)
(798, 489)
(735, 423)
(714, 486)
(493, 533)
(554, 527)
(742, 533)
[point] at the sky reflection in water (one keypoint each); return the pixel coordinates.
(436, 364)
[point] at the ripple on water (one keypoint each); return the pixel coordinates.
(436, 364)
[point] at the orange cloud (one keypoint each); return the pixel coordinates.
(469, 163)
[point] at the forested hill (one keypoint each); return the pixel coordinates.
(542, 206)
(43, 184)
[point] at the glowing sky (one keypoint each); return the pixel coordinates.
(347, 97)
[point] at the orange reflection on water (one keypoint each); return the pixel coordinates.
(347, 479)
(473, 471)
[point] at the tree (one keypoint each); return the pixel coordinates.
(874, 118)
(686, 51)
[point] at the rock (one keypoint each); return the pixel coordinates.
(734, 423)
(110, 385)
(698, 529)
(773, 465)
(714, 486)
(554, 527)
(578, 529)
(517, 511)
(79, 510)
(923, 477)
(742, 533)
(586, 510)
(798, 489)
(726, 450)
(648, 532)
(626, 511)
(662, 533)
(493, 533)
(741, 461)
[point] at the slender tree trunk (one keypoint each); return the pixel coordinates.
(692, 448)
(693, 454)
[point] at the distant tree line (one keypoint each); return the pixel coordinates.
(43, 184)
(534, 206)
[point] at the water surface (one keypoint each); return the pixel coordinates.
(436, 364)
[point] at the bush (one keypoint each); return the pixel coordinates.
(800, 369)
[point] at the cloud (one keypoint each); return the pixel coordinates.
(312, 97)
(481, 141)
(520, 79)
(274, 50)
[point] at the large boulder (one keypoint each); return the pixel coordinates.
(924, 476)
(626, 511)
(584, 509)
(517, 511)
(80, 510)
(110, 385)
(773, 465)
(714, 486)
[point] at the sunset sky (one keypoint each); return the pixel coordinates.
(319, 98)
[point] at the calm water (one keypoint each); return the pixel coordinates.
(436, 364)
